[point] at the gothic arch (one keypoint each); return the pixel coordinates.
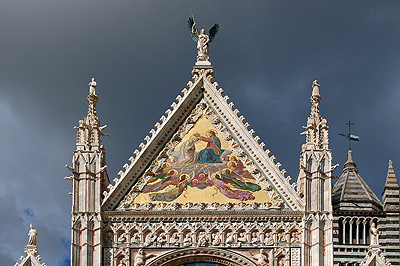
(211, 255)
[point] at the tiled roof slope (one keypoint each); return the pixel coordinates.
(351, 192)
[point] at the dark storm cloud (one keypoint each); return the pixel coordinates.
(265, 56)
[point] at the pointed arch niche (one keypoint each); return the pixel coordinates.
(202, 257)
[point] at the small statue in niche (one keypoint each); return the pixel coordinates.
(150, 238)
(262, 258)
(229, 239)
(187, 241)
(108, 238)
(374, 235)
(268, 241)
(294, 237)
(255, 238)
(122, 262)
(32, 236)
(201, 241)
(161, 239)
(174, 240)
(216, 240)
(135, 239)
(281, 237)
(242, 239)
(122, 238)
(141, 257)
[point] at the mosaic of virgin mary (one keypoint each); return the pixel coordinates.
(210, 169)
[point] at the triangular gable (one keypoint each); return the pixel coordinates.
(202, 101)
(375, 257)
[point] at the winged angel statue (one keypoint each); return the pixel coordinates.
(202, 39)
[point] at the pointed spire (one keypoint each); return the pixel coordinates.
(89, 130)
(391, 180)
(390, 194)
(351, 189)
(316, 129)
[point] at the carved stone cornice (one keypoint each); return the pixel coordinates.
(157, 216)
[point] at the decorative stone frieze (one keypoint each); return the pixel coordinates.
(202, 234)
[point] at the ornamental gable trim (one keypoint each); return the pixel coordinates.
(202, 100)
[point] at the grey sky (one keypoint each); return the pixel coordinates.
(265, 57)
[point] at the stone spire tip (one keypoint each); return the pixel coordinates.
(350, 161)
(350, 156)
(315, 97)
(315, 87)
(391, 176)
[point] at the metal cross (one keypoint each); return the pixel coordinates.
(349, 136)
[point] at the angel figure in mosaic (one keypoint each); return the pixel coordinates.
(180, 183)
(225, 187)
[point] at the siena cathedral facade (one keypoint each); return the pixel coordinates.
(204, 190)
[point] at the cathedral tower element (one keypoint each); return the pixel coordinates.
(314, 181)
(89, 180)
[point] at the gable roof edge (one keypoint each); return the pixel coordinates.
(263, 163)
(160, 135)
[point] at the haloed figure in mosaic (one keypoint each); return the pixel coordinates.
(212, 153)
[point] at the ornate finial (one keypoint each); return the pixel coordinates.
(390, 164)
(315, 87)
(89, 129)
(203, 41)
(350, 156)
(316, 129)
(92, 87)
(315, 97)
